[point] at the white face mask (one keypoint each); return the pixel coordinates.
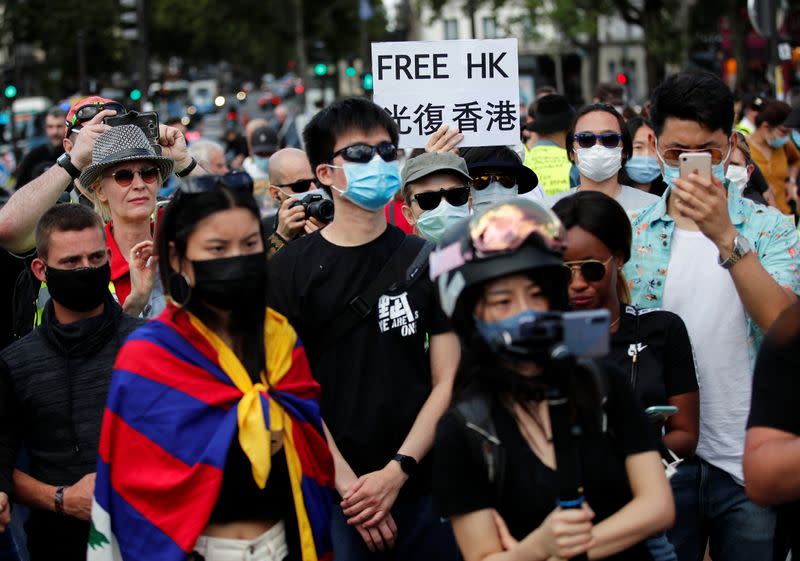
(491, 194)
(599, 163)
(737, 175)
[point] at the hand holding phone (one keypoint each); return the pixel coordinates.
(696, 162)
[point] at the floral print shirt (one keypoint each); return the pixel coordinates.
(772, 236)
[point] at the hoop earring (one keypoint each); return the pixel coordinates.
(179, 289)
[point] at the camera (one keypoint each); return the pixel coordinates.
(148, 122)
(316, 206)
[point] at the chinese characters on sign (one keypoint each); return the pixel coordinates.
(472, 85)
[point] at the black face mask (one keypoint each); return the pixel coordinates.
(79, 290)
(231, 282)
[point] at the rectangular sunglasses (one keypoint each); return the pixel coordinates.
(362, 153)
(455, 196)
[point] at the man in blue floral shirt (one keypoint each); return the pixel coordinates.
(728, 267)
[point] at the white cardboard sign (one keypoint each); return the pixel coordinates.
(470, 84)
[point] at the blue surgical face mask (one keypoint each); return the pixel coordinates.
(642, 169)
(778, 142)
(262, 163)
(491, 194)
(372, 185)
(432, 224)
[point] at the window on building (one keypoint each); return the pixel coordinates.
(490, 28)
(451, 28)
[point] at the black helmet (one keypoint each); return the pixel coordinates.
(510, 237)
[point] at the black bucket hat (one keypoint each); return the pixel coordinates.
(485, 159)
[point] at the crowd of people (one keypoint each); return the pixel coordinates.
(577, 347)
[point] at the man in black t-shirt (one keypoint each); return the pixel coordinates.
(772, 449)
(386, 380)
(40, 158)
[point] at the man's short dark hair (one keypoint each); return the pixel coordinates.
(64, 218)
(606, 92)
(695, 96)
(57, 112)
(340, 117)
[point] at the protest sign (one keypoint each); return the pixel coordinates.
(472, 84)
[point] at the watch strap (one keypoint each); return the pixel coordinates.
(66, 163)
(58, 500)
(407, 463)
(187, 170)
(741, 247)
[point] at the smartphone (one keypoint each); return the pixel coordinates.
(660, 413)
(587, 334)
(148, 122)
(696, 162)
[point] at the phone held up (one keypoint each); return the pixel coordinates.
(696, 162)
(148, 122)
(660, 413)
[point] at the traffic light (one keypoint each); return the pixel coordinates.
(135, 95)
(622, 79)
(350, 72)
(320, 69)
(366, 82)
(10, 92)
(129, 19)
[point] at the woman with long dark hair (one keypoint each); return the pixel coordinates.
(502, 281)
(212, 441)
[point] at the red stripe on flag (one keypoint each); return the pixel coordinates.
(313, 453)
(174, 497)
(151, 361)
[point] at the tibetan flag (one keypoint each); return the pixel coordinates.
(178, 398)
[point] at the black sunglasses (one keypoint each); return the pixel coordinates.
(300, 186)
(90, 111)
(235, 181)
(591, 270)
(482, 181)
(589, 139)
(455, 196)
(124, 177)
(362, 153)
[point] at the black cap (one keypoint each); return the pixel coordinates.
(553, 114)
(264, 141)
(483, 159)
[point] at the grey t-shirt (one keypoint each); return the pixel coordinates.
(629, 197)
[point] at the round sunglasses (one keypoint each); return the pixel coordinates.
(589, 139)
(124, 177)
(455, 196)
(362, 153)
(300, 186)
(481, 182)
(591, 270)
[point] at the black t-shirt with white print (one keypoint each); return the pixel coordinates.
(376, 377)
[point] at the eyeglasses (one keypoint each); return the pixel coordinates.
(591, 270)
(124, 177)
(362, 153)
(589, 139)
(90, 111)
(455, 196)
(300, 186)
(481, 182)
(671, 156)
(234, 181)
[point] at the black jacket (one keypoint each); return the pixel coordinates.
(53, 387)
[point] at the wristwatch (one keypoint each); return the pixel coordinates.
(187, 170)
(58, 499)
(66, 162)
(407, 463)
(741, 247)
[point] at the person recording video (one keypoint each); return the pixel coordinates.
(499, 274)
(302, 208)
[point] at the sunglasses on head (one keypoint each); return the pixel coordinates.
(589, 139)
(300, 186)
(88, 112)
(591, 270)
(124, 177)
(234, 181)
(455, 196)
(482, 181)
(362, 153)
